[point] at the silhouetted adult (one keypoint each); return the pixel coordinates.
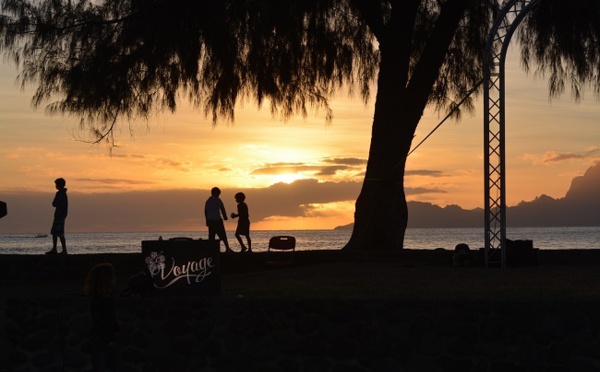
(213, 210)
(61, 205)
(243, 226)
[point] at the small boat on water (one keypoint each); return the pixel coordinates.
(41, 236)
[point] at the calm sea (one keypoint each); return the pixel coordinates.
(426, 238)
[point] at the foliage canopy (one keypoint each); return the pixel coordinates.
(126, 58)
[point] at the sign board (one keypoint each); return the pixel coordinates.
(183, 266)
(3, 209)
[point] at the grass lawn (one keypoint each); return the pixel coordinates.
(420, 279)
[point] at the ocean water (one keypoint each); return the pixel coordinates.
(423, 238)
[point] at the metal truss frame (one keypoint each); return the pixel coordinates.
(511, 14)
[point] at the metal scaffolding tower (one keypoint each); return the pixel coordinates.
(512, 13)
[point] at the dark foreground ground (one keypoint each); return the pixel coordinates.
(411, 275)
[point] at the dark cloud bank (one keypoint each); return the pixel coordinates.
(168, 210)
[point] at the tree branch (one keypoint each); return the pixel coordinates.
(372, 14)
(427, 69)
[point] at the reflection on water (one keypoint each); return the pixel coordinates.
(87, 243)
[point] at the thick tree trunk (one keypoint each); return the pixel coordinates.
(381, 213)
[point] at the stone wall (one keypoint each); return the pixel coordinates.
(240, 334)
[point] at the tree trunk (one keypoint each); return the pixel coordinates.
(381, 213)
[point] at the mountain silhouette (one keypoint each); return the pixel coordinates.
(579, 207)
(422, 214)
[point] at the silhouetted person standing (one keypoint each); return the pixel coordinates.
(213, 209)
(243, 226)
(61, 205)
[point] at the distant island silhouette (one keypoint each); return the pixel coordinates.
(579, 207)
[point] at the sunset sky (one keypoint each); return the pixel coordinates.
(548, 144)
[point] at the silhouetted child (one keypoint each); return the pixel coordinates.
(243, 226)
(61, 205)
(213, 209)
(100, 285)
